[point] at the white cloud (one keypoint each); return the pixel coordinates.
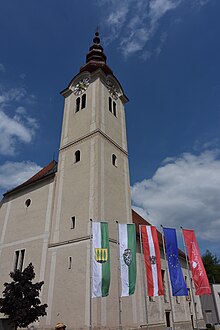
(200, 3)
(2, 68)
(135, 23)
(116, 19)
(11, 132)
(13, 174)
(159, 8)
(184, 191)
(13, 94)
(15, 128)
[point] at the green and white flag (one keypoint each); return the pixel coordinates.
(100, 260)
(127, 243)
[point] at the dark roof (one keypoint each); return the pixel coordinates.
(96, 58)
(49, 169)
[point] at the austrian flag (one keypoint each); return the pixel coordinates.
(152, 260)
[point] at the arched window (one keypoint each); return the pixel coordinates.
(77, 156)
(110, 104)
(77, 104)
(114, 109)
(83, 101)
(114, 160)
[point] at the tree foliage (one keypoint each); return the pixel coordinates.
(212, 267)
(20, 300)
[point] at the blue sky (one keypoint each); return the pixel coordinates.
(166, 55)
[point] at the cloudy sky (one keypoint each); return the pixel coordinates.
(165, 54)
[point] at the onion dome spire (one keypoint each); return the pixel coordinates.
(96, 57)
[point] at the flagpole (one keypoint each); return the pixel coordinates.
(143, 277)
(90, 300)
(119, 282)
(168, 281)
(190, 280)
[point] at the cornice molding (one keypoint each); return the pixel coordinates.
(98, 131)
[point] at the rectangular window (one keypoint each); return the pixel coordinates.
(69, 262)
(114, 109)
(19, 259)
(167, 319)
(73, 222)
(77, 104)
(110, 104)
(188, 298)
(83, 101)
(16, 260)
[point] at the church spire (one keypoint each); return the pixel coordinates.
(96, 57)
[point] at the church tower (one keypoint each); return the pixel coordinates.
(93, 175)
(92, 182)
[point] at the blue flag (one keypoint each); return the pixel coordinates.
(176, 276)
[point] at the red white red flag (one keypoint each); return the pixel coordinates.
(196, 265)
(152, 260)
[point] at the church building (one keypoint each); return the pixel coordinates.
(46, 220)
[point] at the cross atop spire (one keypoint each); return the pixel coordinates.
(96, 57)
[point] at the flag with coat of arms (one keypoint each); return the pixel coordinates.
(100, 259)
(127, 246)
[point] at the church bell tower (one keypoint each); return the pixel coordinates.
(93, 158)
(92, 183)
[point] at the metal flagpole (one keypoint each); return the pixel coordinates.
(119, 282)
(90, 300)
(143, 276)
(190, 279)
(168, 281)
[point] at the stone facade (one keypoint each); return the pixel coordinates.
(46, 220)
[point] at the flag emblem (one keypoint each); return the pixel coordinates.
(127, 256)
(173, 260)
(194, 264)
(101, 255)
(153, 260)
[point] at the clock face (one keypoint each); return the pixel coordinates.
(112, 90)
(81, 86)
